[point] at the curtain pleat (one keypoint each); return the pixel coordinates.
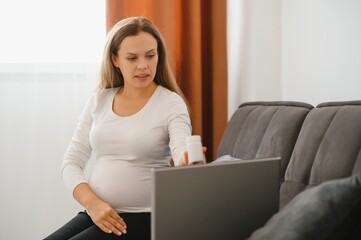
(195, 35)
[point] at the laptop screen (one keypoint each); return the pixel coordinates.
(226, 200)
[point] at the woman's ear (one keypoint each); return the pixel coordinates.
(115, 60)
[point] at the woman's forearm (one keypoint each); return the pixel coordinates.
(85, 195)
(102, 214)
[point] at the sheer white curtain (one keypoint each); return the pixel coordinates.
(254, 51)
(235, 49)
(49, 64)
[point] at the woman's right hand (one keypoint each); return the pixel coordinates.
(104, 216)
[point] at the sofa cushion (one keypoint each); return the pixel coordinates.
(263, 130)
(328, 147)
(330, 210)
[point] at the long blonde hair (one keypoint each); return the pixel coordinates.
(110, 75)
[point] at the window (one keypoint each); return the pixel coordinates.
(42, 31)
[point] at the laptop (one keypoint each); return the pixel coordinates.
(226, 200)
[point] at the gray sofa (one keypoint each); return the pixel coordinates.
(320, 150)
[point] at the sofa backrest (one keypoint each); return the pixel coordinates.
(264, 129)
(328, 147)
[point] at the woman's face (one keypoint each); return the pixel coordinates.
(137, 59)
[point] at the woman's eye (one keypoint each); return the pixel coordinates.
(150, 56)
(132, 58)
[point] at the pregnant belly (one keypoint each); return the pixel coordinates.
(125, 186)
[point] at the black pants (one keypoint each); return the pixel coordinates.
(81, 227)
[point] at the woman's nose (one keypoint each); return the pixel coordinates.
(142, 64)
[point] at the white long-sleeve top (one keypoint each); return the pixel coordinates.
(126, 148)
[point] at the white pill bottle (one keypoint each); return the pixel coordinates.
(194, 148)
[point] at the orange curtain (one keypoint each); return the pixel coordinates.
(195, 35)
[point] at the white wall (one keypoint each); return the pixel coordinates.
(299, 50)
(39, 109)
(321, 50)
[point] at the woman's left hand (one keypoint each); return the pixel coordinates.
(184, 160)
